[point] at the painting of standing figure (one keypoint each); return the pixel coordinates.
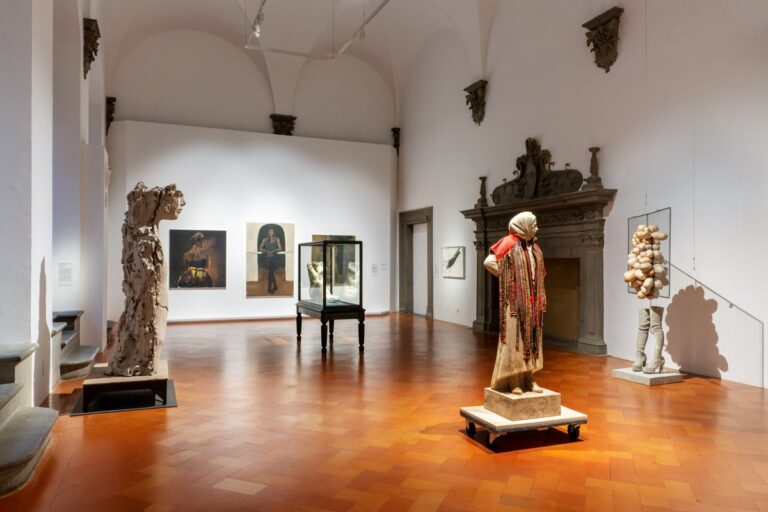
(198, 259)
(269, 260)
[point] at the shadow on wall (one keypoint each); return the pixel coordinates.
(43, 340)
(692, 336)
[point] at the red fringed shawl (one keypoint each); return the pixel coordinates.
(521, 291)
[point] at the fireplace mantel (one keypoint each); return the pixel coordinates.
(570, 226)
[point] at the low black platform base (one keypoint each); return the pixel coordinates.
(129, 400)
(110, 393)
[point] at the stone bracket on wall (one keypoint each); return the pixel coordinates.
(570, 226)
(603, 37)
(91, 36)
(475, 98)
(283, 124)
(111, 102)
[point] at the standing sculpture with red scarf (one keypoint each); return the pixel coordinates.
(518, 262)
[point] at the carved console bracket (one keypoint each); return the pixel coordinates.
(111, 101)
(603, 37)
(283, 124)
(396, 139)
(570, 226)
(91, 35)
(476, 100)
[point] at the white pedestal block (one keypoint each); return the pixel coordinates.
(522, 407)
(648, 379)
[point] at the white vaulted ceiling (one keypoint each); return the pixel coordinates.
(391, 43)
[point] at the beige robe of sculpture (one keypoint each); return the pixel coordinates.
(510, 367)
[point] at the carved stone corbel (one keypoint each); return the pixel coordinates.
(603, 37)
(91, 35)
(396, 139)
(476, 100)
(110, 111)
(283, 124)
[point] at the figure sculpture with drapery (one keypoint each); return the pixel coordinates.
(519, 263)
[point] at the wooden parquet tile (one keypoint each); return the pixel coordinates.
(265, 425)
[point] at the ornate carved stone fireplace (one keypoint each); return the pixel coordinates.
(571, 225)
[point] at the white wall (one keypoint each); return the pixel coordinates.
(25, 198)
(230, 178)
(439, 163)
(680, 118)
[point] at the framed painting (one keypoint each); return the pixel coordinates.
(197, 259)
(452, 262)
(269, 260)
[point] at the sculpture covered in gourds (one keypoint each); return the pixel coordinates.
(646, 271)
(647, 274)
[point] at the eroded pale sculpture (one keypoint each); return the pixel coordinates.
(518, 262)
(145, 280)
(647, 274)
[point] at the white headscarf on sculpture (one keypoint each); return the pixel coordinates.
(524, 225)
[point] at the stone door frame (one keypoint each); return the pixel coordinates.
(407, 220)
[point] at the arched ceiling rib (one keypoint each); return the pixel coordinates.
(391, 43)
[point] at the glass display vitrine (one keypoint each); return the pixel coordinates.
(329, 273)
(331, 285)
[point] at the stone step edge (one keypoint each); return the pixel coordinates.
(16, 470)
(79, 357)
(67, 337)
(8, 391)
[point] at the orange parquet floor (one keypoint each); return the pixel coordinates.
(264, 426)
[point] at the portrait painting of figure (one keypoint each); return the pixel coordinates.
(269, 260)
(198, 259)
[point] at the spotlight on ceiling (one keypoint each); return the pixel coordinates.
(257, 24)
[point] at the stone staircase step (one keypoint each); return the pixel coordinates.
(11, 355)
(23, 439)
(77, 363)
(67, 339)
(7, 393)
(70, 317)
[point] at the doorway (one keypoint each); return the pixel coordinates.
(416, 262)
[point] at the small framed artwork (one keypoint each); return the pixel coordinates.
(452, 262)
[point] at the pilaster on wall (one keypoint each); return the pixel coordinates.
(79, 174)
(68, 107)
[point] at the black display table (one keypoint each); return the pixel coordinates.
(328, 315)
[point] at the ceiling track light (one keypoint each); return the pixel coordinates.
(254, 39)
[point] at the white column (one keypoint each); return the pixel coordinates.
(26, 28)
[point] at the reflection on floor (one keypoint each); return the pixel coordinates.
(264, 426)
